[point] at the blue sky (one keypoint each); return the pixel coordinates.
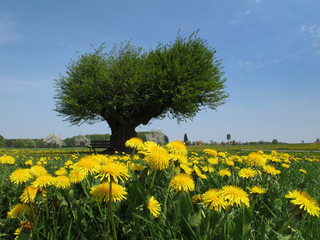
(270, 51)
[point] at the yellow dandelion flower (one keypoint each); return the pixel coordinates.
(136, 167)
(29, 194)
(186, 168)
(234, 195)
(222, 154)
(29, 162)
(208, 169)
(182, 183)
(67, 163)
(101, 192)
(135, 143)
(213, 161)
(113, 171)
(19, 210)
(88, 164)
(304, 201)
(257, 190)
(199, 173)
(154, 207)
(157, 157)
(62, 182)
(224, 172)
(196, 199)
(211, 152)
(77, 176)
(271, 170)
(20, 176)
(43, 181)
(303, 171)
(212, 200)
(247, 172)
(61, 171)
(256, 159)
(177, 147)
(285, 165)
(229, 162)
(6, 159)
(38, 171)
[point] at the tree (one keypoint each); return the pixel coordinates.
(128, 86)
(185, 138)
(274, 141)
(156, 136)
(2, 141)
(53, 140)
(81, 141)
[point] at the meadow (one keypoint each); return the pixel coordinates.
(159, 192)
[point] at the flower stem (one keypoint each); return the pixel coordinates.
(153, 179)
(284, 227)
(220, 222)
(3, 176)
(114, 231)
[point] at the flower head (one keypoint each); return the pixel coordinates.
(211, 152)
(157, 157)
(6, 159)
(88, 164)
(256, 159)
(29, 194)
(154, 207)
(224, 172)
(43, 181)
(77, 176)
(113, 171)
(247, 172)
(234, 195)
(135, 143)
(257, 190)
(271, 170)
(182, 183)
(20, 176)
(38, 170)
(62, 182)
(177, 147)
(304, 201)
(61, 171)
(212, 200)
(101, 192)
(19, 210)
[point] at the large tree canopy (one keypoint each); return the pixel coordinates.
(128, 86)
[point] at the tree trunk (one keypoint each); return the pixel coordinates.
(120, 133)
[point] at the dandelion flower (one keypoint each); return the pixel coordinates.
(6, 159)
(257, 190)
(285, 165)
(271, 170)
(213, 161)
(38, 170)
(212, 200)
(29, 162)
(199, 173)
(25, 226)
(19, 210)
(43, 181)
(61, 171)
(101, 192)
(77, 176)
(182, 183)
(196, 198)
(62, 182)
(157, 157)
(29, 194)
(136, 167)
(88, 164)
(304, 201)
(211, 152)
(135, 143)
(234, 195)
(256, 159)
(154, 207)
(177, 147)
(20, 176)
(113, 171)
(303, 171)
(247, 172)
(224, 172)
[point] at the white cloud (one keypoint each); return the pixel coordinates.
(7, 32)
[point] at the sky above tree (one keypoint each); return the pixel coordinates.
(270, 52)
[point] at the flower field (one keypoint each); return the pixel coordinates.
(159, 192)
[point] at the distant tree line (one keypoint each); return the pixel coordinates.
(53, 140)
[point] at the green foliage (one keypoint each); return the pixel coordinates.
(128, 86)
